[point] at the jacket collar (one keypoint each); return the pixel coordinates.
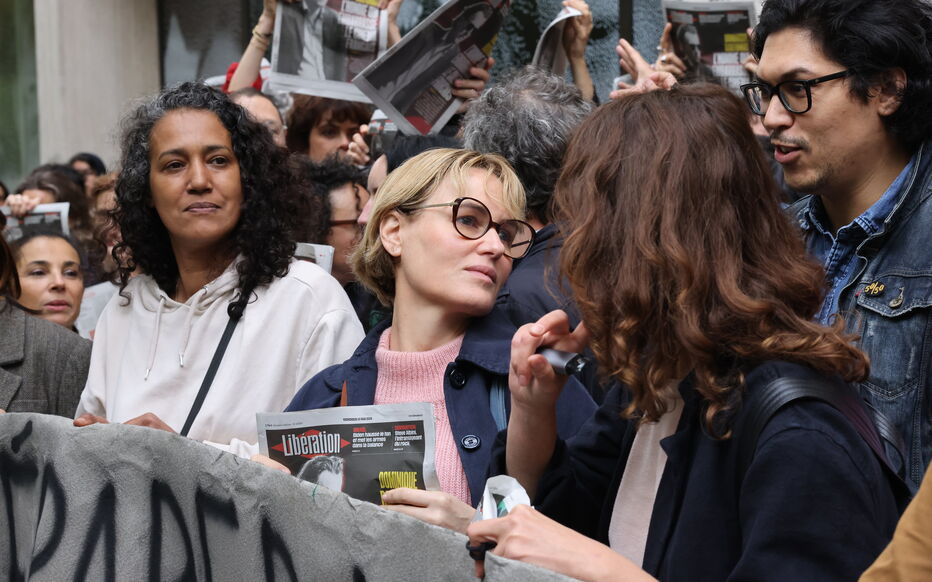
(487, 343)
(916, 189)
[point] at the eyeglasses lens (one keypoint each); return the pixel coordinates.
(757, 97)
(795, 96)
(473, 220)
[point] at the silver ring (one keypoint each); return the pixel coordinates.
(663, 58)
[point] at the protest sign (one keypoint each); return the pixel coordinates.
(118, 502)
(363, 451)
(712, 36)
(413, 81)
(43, 217)
(550, 54)
(320, 45)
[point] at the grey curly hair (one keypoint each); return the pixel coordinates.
(528, 119)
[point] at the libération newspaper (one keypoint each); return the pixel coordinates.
(363, 451)
(413, 81)
(43, 217)
(713, 35)
(320, 45)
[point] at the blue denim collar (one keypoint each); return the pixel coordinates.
(872, 220)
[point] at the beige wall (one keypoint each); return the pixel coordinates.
(92, 58)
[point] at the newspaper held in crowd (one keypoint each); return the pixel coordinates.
(413, 82)
(502, 494)
(363, 451)
(43, 217)
(320, 45)
(713, 36)
(320, 255)
(550, 54)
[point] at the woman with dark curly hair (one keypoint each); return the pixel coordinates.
(698, 295)
(206, 210)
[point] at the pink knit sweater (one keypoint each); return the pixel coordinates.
(418, 377)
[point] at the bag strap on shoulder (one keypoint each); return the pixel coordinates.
(782, 391)
(209, 376)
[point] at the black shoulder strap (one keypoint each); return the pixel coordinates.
(209, 376)
(781, 391)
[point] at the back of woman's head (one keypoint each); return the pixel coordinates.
(263, 234)
(679, 254)
(410, 185)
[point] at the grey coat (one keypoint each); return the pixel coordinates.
(43, 366)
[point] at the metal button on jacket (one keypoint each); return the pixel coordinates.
(471, 442)
(457, 377)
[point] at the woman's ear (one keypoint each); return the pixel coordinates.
(390, 233)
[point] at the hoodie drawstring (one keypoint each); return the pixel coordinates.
(188, 321)
(154, 342)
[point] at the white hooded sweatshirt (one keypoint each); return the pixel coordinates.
(151, 355)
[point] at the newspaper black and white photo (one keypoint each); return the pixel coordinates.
(550, 54)
(320, 45)
(413, 81)
(713, 36)
(363, 451)
(43, 217)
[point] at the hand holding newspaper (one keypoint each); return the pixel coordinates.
(42, 217)
(550, 54)
(711, 37)
(320, 45)
(413, 81)
(363, 451)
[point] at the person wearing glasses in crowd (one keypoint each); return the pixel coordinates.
(844, 90)
(698, 296)
(223, 322)
(445, 229)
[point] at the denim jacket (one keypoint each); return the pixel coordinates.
(887, 303)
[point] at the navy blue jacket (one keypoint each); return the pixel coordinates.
(534, 287)
(484, 356)
(889, 299)
(814, 504)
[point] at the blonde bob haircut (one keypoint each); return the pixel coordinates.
(411, 185)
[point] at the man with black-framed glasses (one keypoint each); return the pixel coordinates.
(843, 89)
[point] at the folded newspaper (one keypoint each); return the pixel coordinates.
(320, 45)
(413, 81)
(363, 451)
(712, 36)
(550, 54)
(43, 217)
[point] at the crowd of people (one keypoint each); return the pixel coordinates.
(760, 316)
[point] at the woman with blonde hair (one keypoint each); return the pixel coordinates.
(698, 296)
(444, 231)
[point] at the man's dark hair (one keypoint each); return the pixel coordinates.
(322, 177)
(93, 161)
(528, 119)
(406, 147)
(868, 38)
(263, 235)
(312, 469)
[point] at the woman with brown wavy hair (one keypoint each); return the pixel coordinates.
(697, 295)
